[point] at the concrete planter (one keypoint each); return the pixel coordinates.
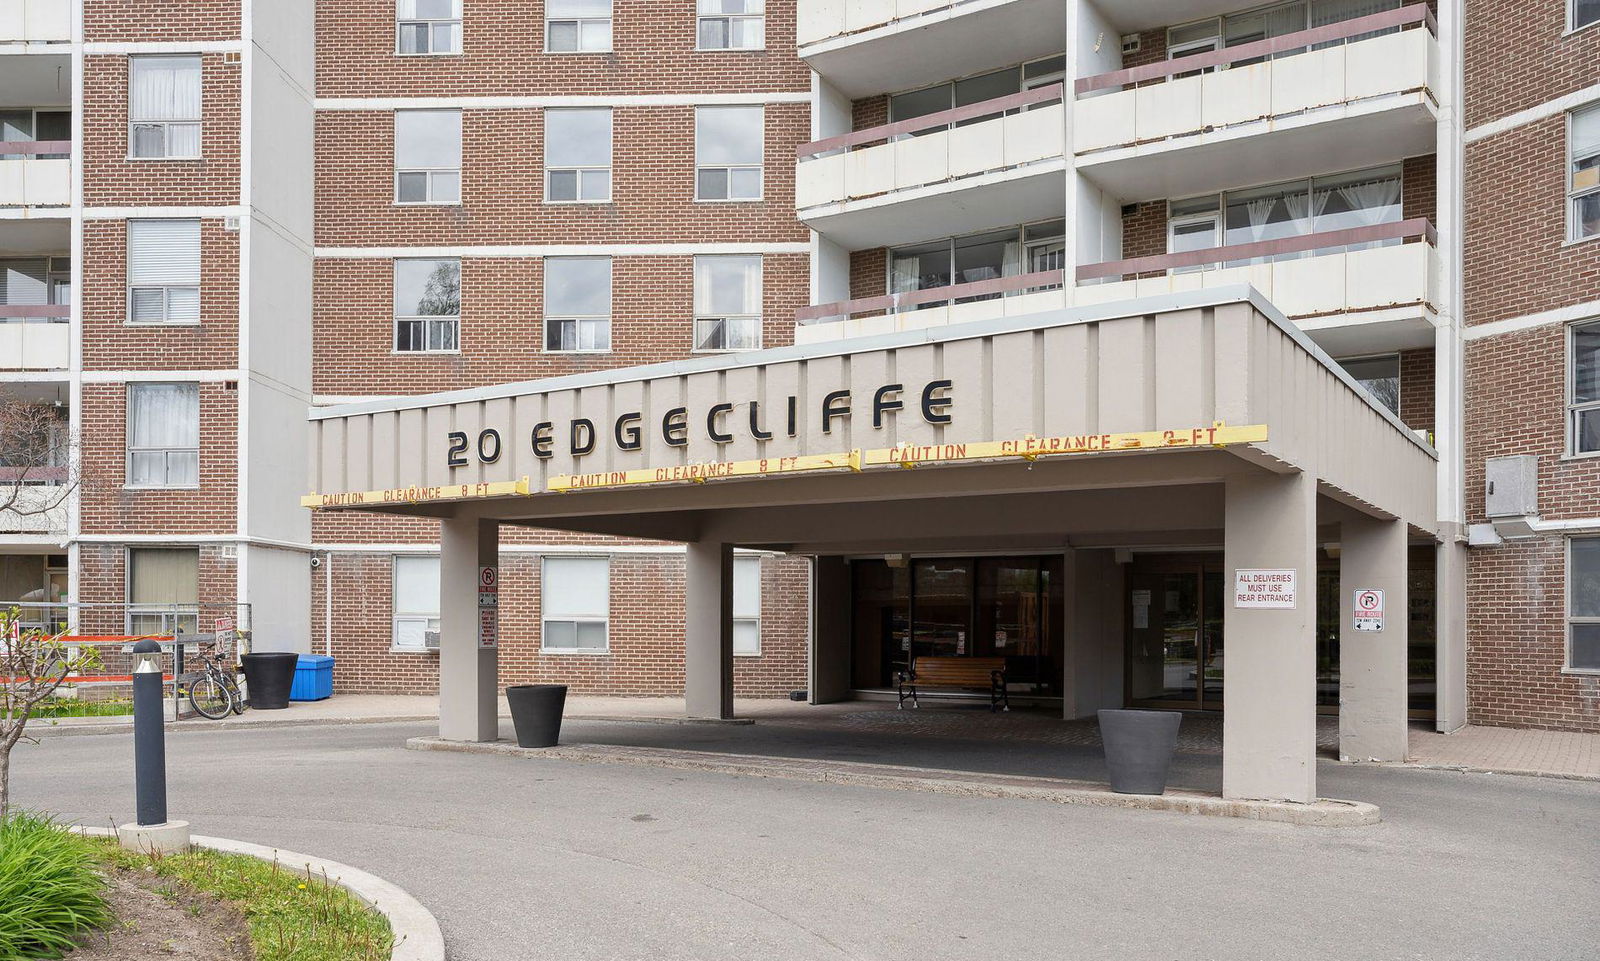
(536, 713)
(1139, 746)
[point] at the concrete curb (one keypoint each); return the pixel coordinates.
(1472, 769)
(416, 931)
(183, 727)
(1322, 813)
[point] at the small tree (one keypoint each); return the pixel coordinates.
(33, 666)
(37, 470)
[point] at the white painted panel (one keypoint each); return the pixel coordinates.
(920, 319)
(11, 20)
(1238, 95)
(46, 20)
(45, 346)
(877, 324)
(11, 340)
(1012, 397)
(910, 8)
(1165, 109)
(819, 180)
(48, 182)
(869, 172)
(1308, 80)
(861, 14)
(13, 181)
(1309, 285)
(1023, 304)
(915, 367)
(976, 148)
(1388, 64)
(1104, 121)
(740, 390)
(975, 310)
(1386, 276)
(818, 20)
(1152, 286)
(1193, 280)
(1103, 293)
(1033, 135)
(921, 160)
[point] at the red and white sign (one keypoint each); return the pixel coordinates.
(1368, 610)
(1264, 589)
(222, 629)
(488, 607)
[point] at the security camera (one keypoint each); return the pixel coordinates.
(316, 562)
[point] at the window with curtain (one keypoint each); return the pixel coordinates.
(427, 156)
(1584, 13)
(728, 152)
(1379, 377)
(727, 302)
(163, 590)
(747, 606)
(577, 303)
(732, 24)
(968, 259)
(164, 271)
(427, 26)
(427, 305)
(1583, 604)
(1584, 391)
(414, 601)
(1583, 184)
(164, 107)
(163, 435)
(577, 26)
(577, 155)
(576, 604)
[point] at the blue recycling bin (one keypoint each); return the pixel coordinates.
(313, 678)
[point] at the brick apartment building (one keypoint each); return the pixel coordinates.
(215, 215)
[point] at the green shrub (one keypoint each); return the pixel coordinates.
(51, 889)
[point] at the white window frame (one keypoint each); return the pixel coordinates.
(198, 121)
(545, 620)
(1574, 193)
(431, 620)
(1573, 26)
(167, 452)
(610, 151)
(401, 23)
(748, 561)
(579, 320)
(1574, 409)
(394, 292)
(760, 168)
(702, 17)
(429, 172)
(1572, 620)
(582, 23)
(758, 318)
(166, 289)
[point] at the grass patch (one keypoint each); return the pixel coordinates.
(73, 707)
(51, 889)
(293, 915)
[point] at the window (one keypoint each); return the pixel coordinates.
(1264, 23)
(577, 604)
(1584, 399)
(427, 26)
(577, 26)
(577, 303)
(1583, 604)
(163, 435)
(163, 590)
(727, 152)
(427, 305)
(961, 260)
(427, 156)
(415, 602)
(747, 606)
(727, 302)
(732, 24)
(1378, 376)
(164, 107)
(577, 155)
(1583, 186)
(23, 125)
(36, 281)
(164, 271)
(1584, 13)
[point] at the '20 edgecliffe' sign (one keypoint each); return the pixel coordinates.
(1264, 589)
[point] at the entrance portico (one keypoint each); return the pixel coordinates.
(1192, 422)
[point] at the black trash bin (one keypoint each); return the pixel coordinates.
(536, 713)
(1139, 746)
(269, 677)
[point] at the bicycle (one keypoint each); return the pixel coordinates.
(213, 690)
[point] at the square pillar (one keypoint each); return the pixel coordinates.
(1374, 683)
(469, 627)
(708, 630)
(1269, 722)
(1450, 631)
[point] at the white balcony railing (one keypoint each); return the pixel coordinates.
(30, 180)
(38, 503)
(34, 338)
(824, 19)
(1022, 129)
(35, 21)
(1312, 69)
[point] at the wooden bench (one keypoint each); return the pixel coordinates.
(956, 673)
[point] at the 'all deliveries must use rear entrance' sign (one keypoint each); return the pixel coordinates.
(1264, 589)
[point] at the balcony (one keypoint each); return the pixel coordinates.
(863, 47)
(35, 337)
(33, 174)
(1329, 98)
(35, 501)
(987, 164)
(35, 21)
(1370, 299)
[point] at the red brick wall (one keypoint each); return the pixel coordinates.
(111, 179)
(1144, 231)
(646, 630)
(1517, 56)
(869, 112)
(869, 272)
(191, 21)
(103, 586)
(108, 507)
(501, 319)
(1416, 388)
(111, 343)
(503, 54)
(1419, 188)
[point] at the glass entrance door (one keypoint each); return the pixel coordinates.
(1175, 642)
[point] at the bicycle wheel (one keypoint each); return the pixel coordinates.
(209, 697)
(233, 691)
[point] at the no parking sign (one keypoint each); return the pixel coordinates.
(1368, 610)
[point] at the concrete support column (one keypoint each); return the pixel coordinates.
(469, 655)
(1269, 727)
(830, 653)
(1450, 626)
(708, 630)
(1373, 664)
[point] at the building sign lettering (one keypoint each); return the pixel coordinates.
(1264, 589)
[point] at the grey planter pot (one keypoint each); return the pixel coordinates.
(1139, 747)
(536, 713)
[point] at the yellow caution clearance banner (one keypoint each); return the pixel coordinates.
(419, 494)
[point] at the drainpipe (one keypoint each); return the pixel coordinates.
(327, 603)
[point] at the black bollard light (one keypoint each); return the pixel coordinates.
(149, 736)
